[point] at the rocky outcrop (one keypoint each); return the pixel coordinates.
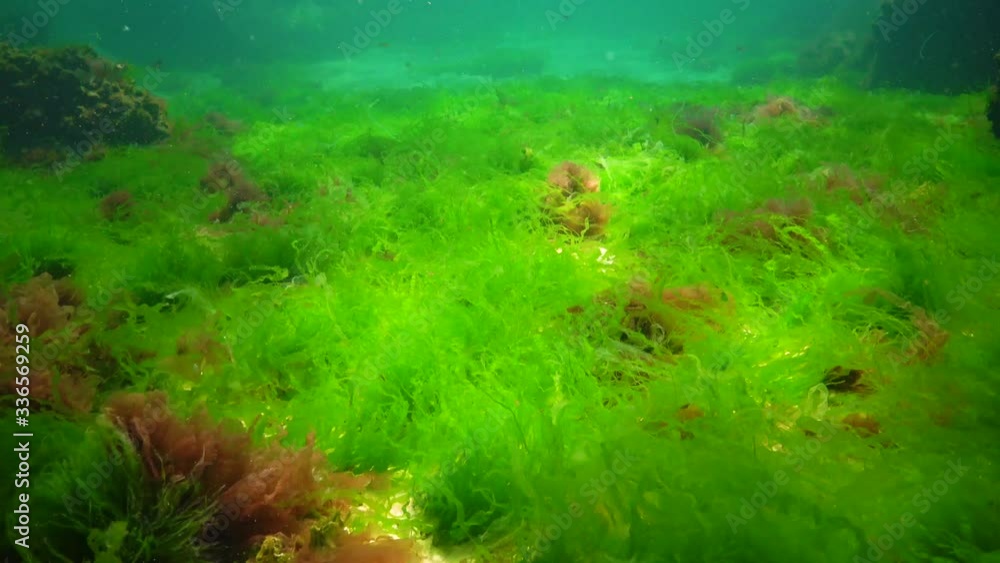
(72, 100)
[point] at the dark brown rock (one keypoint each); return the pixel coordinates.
(70, 99)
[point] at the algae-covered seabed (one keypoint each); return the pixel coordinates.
(405, 296)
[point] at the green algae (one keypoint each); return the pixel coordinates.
(411, 309)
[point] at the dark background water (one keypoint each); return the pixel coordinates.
(193, 33)
(944, 46)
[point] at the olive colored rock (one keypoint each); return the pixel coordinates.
(71, 99)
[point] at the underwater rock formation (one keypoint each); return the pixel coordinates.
(993, 112)
(72, 99)
(934, 45)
